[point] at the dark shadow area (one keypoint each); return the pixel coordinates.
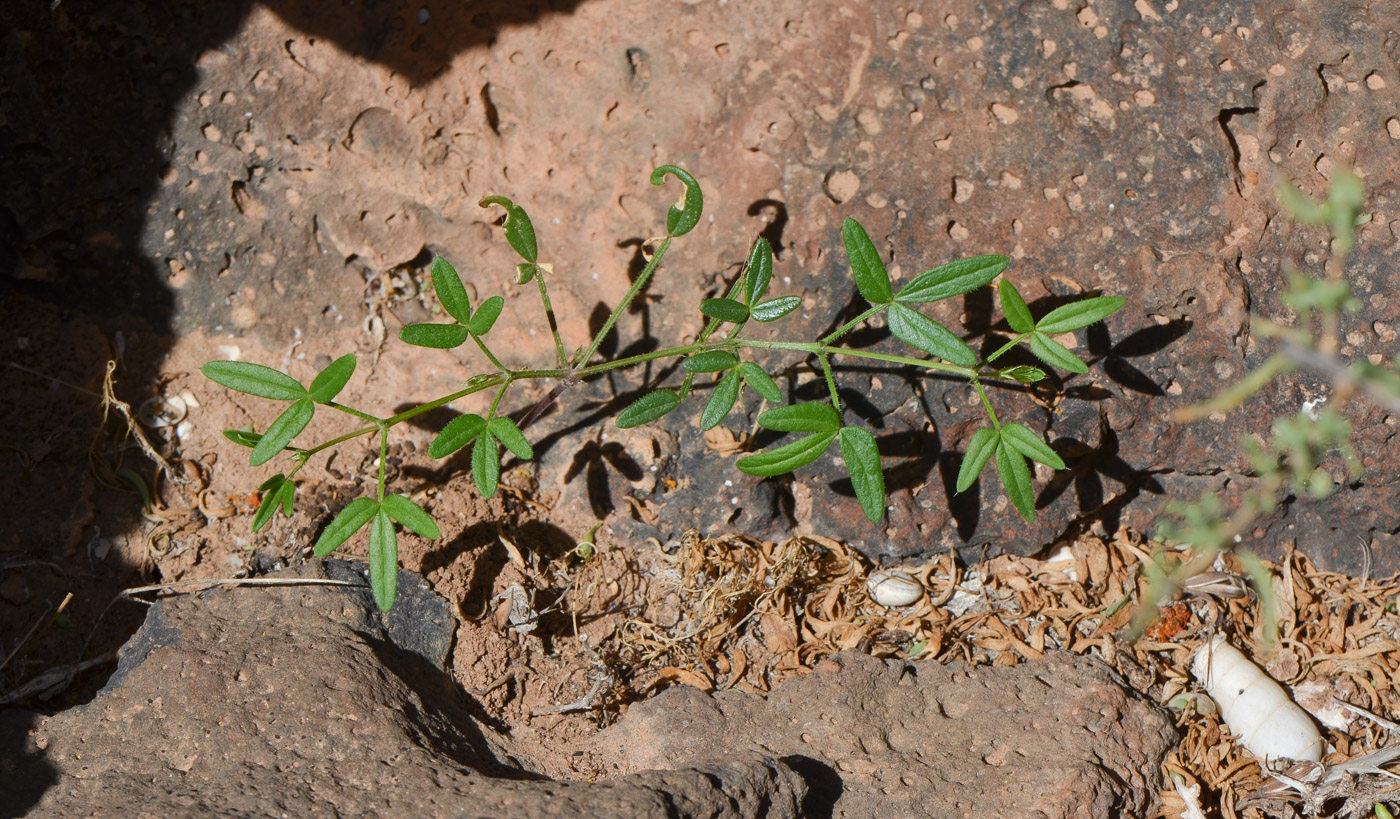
(91, 94)
(24, 776)
(1138, 344)
(824, 785)
(775, 217)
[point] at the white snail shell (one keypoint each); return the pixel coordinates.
(1270, 724)
(892, 588)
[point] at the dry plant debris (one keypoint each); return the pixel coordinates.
(732, 612)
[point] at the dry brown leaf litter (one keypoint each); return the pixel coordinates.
(732, 612)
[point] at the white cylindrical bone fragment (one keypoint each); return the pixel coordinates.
(1269, 724)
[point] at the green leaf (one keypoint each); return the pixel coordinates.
(509, 434)
(774, 309)
(1300, 206)
(440, 336)
(458, 433)
(871, 278)
(254, 379)
(760, 270)
(918, 330)
(709, 362)
(486, 464)
(762, 384)
(287, 426)
(1018, 315)
(1016, 477)
(277, 491)
(952, 279)
(1055, 354)
(1029, 444)
(721, 400)
(520, 232)
(383, 561)
(1079, 314)
(243, 437)
(486, 315)
(787, 457)
(862, 457)
(725, 310)
(685, 214)
(648, 408)
(410, 514)
(525, 271)
(330, 381)
(1024, 373)
(348, 521)
(979, 451)
(450, 290)
(801, 418)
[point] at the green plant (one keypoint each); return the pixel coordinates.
(715, 353)
(1290, 461)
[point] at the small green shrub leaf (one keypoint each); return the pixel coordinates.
(711, 361)
(917, 330)
(648, 408)
(1055, 354)
(774, 309)
(346, 523)
(721, 400)
(761, 382)
(486, 464)
(329, 382)
(1018, 315)
(1029, 444)
(787, 457)
(509, 434)
(979, 451)
(383, 561)
(952, 279)
(1015, 475)
(871, 278)
(277, 491)
(683, 216)
(439, 336)
(525, 271)
(450, 290)
(486, 315)
(458, 433)
(287, 426)
(520, 232)
(725, 310)
(760, 270)
(812, 417)
(1024, 373)
(862, 457)
(1079, 314)
(254, 379)
(243, 437)
(410, 514)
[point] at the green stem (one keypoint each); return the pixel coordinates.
(830, 382)
(383, 460)
(363, 416)
(624, 304)
(986, 403)
(851, 325)
(1005, 347)
(482, 383)
(549, 315)
(495, 362)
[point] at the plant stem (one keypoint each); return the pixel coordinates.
(549, 315)
(480, 342)
(626, 302)
(986, 403)
(363, 416)
(830, 382)
(1007, 346)
(383, 458)
(850, 325)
